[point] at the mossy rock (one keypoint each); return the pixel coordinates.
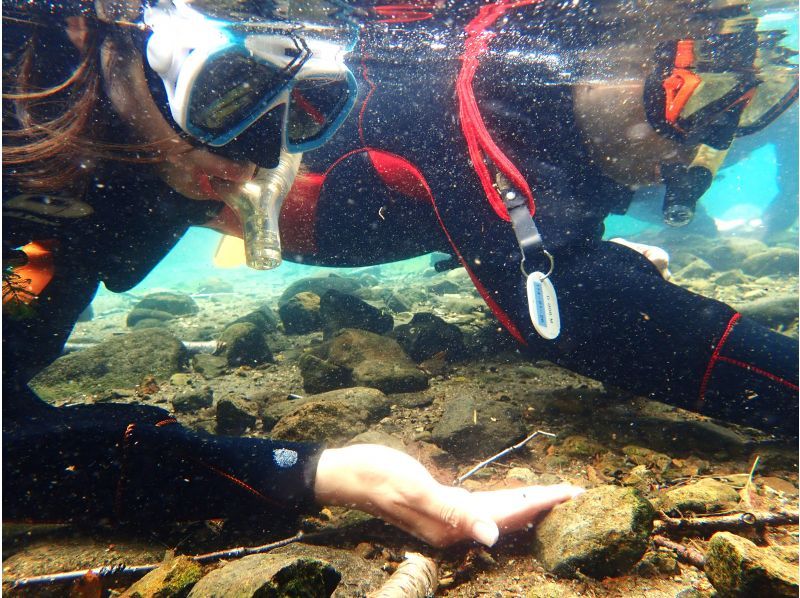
(174, 579)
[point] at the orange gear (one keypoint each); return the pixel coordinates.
(30, 279)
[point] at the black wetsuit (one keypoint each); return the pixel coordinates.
(121, 463)
(412, 192)
(400, 166)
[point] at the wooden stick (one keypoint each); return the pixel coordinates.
(416, 577)
(685, 554)
(709, 525)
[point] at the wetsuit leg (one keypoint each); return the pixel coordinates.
(624, 325)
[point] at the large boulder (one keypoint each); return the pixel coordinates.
(120, 362)
(319, 285)
(705, 496)
(177, 304)
(320, 375)
(428, 334)
(775, 310)
(340, 310)
(334, 417)
(737, 567)
(300, 313)
(775, 261)
(468, 422)
(173, 579)
(263, 318)
(269, 575)
(601, 533)
(244, 344)
(374, 360)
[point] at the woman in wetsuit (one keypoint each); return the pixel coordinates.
(98, 186)
(531, 108)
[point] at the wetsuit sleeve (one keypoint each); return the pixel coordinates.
(135, 464)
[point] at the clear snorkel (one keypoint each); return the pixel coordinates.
(258, 205)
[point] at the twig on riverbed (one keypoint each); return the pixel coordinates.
(736, 522)
(685, 554)
(114, 571)
(501, 454)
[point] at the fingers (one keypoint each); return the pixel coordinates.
(516, 508)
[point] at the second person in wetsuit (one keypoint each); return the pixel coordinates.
(456, 111)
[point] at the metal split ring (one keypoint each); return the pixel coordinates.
(549, 272)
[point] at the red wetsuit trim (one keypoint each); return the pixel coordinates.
(400, 175)
(716, 357)
(403, 13)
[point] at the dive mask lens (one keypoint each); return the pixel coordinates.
(230, 93)
(316, 107)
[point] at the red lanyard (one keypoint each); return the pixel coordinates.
(479, 142)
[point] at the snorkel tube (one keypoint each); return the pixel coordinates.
(258, 205)
(685, 185)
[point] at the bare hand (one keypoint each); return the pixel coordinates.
(397, 488)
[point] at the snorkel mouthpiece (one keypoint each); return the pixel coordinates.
(258, 205)
(684, 186)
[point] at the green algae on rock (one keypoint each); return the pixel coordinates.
(601, 533)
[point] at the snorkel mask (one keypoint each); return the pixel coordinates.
(707, 92)
(229, 82)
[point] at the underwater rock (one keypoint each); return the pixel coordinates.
(214, 285)
(318, 285)
(737, 567)
(268, 575)
(474, 428)
(193, 399)
(378, 437)
(177, 304)
(427, 335)
(441, 287)
(706, 496)
(339, 310)
(211, 366)
(697, 268)
(173, 579)
(375, 361)
(333, 417)
(639, 455)
(300, 313)
(395, 301)
(729, 253)
(730, 278)
(778, 310)
(658, 563)
(149, 323)
(580, 446)
(244, 344)
(263, 318)
(488, 338)
(120, 362)
(523, 475)
(138, 315)
(233, 418)
(359, 576)
(665, 429)
(321, 376)
(601, 533)
(775, 261)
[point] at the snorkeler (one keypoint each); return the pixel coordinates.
(505, 133)
(116, 117)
